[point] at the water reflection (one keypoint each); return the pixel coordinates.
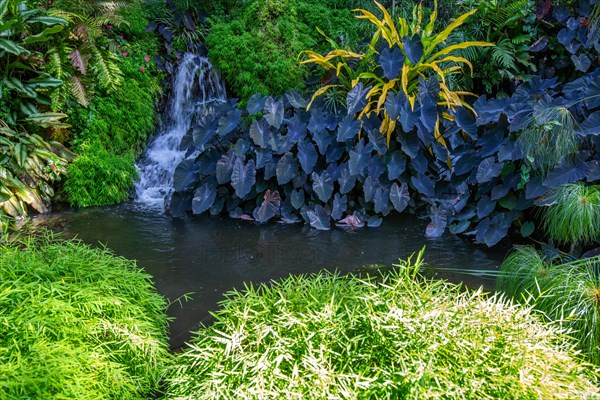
(211, 255)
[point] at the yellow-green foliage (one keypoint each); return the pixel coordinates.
(78, 323)
(397, 337)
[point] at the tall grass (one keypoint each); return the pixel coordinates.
(574, 217)
(396, 337)
(567, 293)
(77, 323)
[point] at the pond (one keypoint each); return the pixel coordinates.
(208, 256)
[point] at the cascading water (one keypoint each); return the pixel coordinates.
(196, 88)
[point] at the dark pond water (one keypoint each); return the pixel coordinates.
(211, 255)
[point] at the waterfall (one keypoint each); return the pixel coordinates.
(196, 87)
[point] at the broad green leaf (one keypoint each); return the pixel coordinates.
(20, 153)
(43, 36)
(11, 47)
(45, 82)
(28, 108)
(47, 20)
(4, 26)
(3, 8)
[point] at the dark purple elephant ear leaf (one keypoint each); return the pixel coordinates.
(225, 167)
(269, 207)
(439, 221)
(243, 177)
(322, 185)
(287, 168)
(204, 198)
(297, 198)
(185, 175)
(256, 103)
(340, 204)
(260, 133)
(307, 154)
(356, 99)
(399, 196)
(274, 112)
(319, 218)
(391, 61)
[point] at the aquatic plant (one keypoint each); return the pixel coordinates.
(567, 292)
(77, 323)
(399, 336)
(573, 216)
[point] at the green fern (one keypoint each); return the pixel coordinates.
(503, 54)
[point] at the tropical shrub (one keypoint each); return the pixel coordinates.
(565, 291)
(113, 130)
(78, 323)
(411, 54)
(29, 164)
(330, 336)
(511, 26)
(100, 177)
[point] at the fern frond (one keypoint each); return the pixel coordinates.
(503, 54)
(78, 91)
(78, 61)
(106, 69)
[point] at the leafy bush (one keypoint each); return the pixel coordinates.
(327, 336)
(100, 177)
(78, 323)
(256, 50)
(113, 131)
(566, 291)
(411, 53)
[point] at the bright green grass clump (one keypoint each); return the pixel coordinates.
(78, 323)
(566, 292)
(575, 215)
(396, 337)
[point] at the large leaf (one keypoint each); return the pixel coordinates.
(204, 197)
(399, 196)
(564, 174)
(485, 207)
(243, 177)
(296, 129)
(359, 158)
(323, 139)
(204, 132)
(296, 99)
(297, 198)
(274, 112)
(370, 186)
(439, 220)
(307, 154)
(424, 185)
(348, 129)
(47, 20)
(269, 207)
(488, 170)
(185, 176)
(346, 180)
(413, 47)
(11, 47)
(43, 36)
(44, 83)
(396, 165)
(260, 132)
(378, 141)
(466, 121)
(256, 103)
(225, 167)
(287, 168)
(319, 218)
(322, 185)
(229, 122)
(591, 126)
(381, 200)
(340, 204)
(391, 61)
(356, 99)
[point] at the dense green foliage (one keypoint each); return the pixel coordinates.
(29, 162)
(257, 48)
(567, 292)
(573, 216)
(77, 323)
(327, 336)
(112, 131)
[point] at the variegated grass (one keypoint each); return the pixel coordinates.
(398, 336)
